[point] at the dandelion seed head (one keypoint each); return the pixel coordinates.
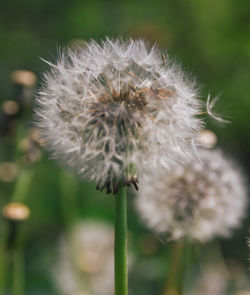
(200, 200)
(106, 109)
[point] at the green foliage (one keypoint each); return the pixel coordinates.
(211, 40)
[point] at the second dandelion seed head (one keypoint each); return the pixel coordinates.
(201, 200)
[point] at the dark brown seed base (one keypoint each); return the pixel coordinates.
(112, 187)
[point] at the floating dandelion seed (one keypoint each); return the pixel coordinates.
(105, 109)
(210, 110)
(200, 200)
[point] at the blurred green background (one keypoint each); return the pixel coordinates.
(211, 39)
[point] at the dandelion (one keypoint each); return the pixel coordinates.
(106, 108)
(109, 110)
(200, 200)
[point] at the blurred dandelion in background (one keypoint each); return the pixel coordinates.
(10, 107)
(8, 171)
(16, 211)
(24, 83)
(85, 260)
(201, 200)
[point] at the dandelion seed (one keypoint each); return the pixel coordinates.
(200, 200)
(106, 109)
(210, 106)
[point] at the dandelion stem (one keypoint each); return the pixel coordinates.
(23, 185)
(18, 271)
(121, 273)
(186, 264)
(69, 191)
(172, 280)
(3, 258)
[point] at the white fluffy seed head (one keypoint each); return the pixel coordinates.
(200, 200)
(105, 109)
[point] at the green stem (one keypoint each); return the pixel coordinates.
(18, 275)
(69, 203)
(22, 186)
(3, 258)
(121, 272)
(186, 265)
(18, 272)
(172, 280)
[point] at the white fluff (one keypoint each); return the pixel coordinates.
(200, 200)
(109, 110)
